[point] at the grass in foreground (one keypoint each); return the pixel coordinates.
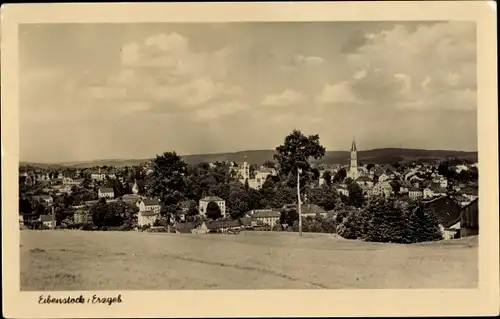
(78, 260)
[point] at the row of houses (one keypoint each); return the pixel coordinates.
(203, 227)
(149, 209)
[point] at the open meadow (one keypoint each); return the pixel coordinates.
(81, 260)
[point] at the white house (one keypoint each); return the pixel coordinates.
(81, 216)
(342, 189)
(149, 212)
(147, 218)
(106, 193)
(415, 193)
(150, 205)
(72, 181)
(47, 221)
(382, 189)
(202, 207)
(267, 216)
(100, 175)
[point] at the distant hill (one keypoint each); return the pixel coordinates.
(41, 165)
(392, 155)
(375, 156)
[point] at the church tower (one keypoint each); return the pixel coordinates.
(245, 170)
(353, 169)
(135, 188)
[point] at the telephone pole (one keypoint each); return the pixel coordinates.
(299, 210)
(53, 218)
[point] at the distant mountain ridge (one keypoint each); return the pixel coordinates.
(375, 156)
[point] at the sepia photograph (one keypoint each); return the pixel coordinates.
(247, 155)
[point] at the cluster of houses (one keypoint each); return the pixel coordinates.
(149, 209)
(422, 181)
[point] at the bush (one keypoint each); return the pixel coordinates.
(349, 228)
(277, 227)
(126, 227)
(87, 227)
(317, 224)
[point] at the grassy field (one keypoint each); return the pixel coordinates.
(78, 260)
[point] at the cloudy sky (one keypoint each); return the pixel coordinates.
(102, 91)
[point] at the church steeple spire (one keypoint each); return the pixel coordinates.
(353, 147)
(353, 169)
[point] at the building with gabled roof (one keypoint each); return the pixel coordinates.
(469, 219)
(415, 193)
(203, 203)
(48, 221)
(312, 210)
(269, 217)
(150, 205)
(106, 192)
(446, 210)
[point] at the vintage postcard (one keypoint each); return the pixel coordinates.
(249, 159)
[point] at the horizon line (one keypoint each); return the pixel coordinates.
(229, 152)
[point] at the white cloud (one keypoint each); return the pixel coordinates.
(361, 74)
(220, 110)
(439, 58)
(339, 93)
(163, 70)
(307, 60)
(288, 97)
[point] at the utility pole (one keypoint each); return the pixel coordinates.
(53, 218)
(299, 210)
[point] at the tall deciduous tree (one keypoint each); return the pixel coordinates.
(339, 176)
(167, 181)
(296, 152)
(323, 196)
(239, 200)
(327, 176)
(356, 197)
